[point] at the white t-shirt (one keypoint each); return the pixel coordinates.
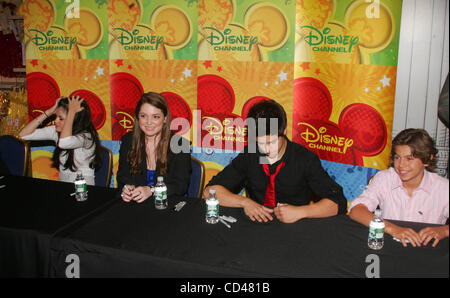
(83, 152)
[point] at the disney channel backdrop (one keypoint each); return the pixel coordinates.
(331, 63)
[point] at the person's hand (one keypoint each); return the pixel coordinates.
(206, 192)
(127, 191)
(436, 233)
(256, 211)
(288, 213)
(52, 110)
(141, 193)
(75, 104)
(404, 234)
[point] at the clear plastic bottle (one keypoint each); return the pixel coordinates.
(80, 188)
(212, 207)
(376, 231)
(160, 194)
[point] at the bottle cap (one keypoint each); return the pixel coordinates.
(377, 212)
(160, 179)
(212, 191)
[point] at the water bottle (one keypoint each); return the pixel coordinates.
(160, 194)
(212, 207)
(376, 231)
(80, 188)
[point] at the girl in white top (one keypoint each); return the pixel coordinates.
(77, 141)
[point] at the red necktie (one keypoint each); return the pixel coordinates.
(269, 199)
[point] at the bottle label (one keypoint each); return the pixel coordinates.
(376, 233)
(80, 187)
(212, 209)
(160, 195)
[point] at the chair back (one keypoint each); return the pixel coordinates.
(197, 181)
(103, 175)
(15, 154)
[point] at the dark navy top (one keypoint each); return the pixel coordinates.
(151, 177)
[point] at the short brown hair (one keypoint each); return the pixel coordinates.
(421, 144)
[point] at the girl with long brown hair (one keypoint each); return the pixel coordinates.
(145, 153)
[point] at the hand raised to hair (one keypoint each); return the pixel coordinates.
(75, 104)
(52, 110)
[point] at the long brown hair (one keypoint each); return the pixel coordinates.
(137, 152)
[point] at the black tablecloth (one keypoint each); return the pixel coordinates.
(31, 211)
(41, 224)
(136, 240)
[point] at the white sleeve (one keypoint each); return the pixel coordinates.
(40, 134)
(75, 142)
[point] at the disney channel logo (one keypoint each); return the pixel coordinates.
(319, 139)
(47, 41)
(225, 41)
(323, 41)
(134, 41)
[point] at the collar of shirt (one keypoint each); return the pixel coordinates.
(425, 184)
(283, 158)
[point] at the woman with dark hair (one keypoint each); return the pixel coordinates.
(145, 153)
(77, 141)
(408, 191)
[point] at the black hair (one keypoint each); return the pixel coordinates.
(82, 123)
(266, 110)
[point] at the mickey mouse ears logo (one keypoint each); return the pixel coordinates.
(126, 91)
(216, 100)
(69, 41)
(265, 28)
(215, 95)
(361, 130)
(43, 91)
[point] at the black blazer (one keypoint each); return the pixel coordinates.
(179, 169)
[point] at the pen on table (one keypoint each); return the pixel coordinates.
(179, 206)
(228, 218)
(399, 240)
(74, 193)
(225, 223)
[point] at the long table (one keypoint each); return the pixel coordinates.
(44, 232)
(136, 240)
(31, 212)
